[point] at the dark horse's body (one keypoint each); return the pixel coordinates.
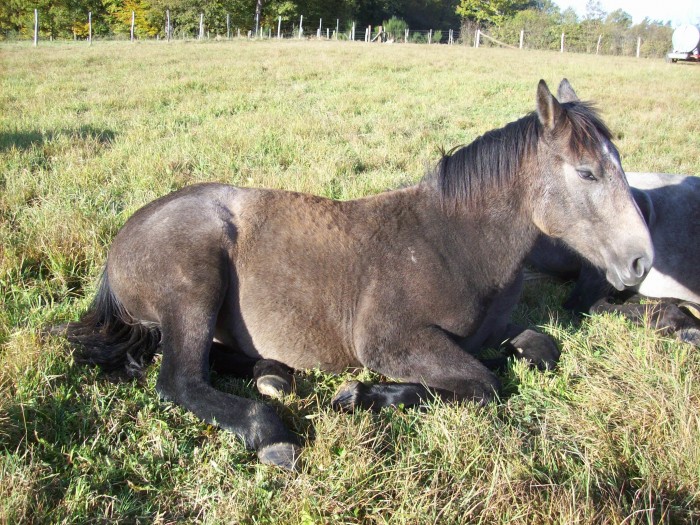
(670, 205)
(408, 283)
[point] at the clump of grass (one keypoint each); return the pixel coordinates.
(90, 134)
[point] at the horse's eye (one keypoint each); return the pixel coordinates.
(586, 174)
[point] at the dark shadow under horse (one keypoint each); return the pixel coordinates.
(410, 283)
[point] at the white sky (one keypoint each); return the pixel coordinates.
(677, 11)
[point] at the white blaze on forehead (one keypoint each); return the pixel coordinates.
(610, 155)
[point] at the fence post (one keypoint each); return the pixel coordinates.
(36, 27)
(430, 37)
(478, 37)
(90, 27)
(597, 47)
(353, 31)
(167, 24)
(279, 27)
(133, 18)
(301, 30)
(201, 26)
(405, 38)
(522, 36)
(639, 45)
(228, 26)
(337, 27)
(561, 50)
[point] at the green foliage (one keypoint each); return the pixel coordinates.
(395, 28)
(488, 11)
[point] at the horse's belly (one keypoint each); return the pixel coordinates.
(297, 340)
(657, 284)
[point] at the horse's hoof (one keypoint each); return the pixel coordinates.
(346, 399)
(274, 386)
(283, 455)
(690, 336)
(692, 309)
(538, 350)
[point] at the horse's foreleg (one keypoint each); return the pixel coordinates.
(430, 363)
(664, 316)
(184, 379)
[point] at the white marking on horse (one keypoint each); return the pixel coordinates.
(413, 255)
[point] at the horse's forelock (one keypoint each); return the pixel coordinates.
(587, 129)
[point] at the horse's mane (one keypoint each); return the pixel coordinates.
(467, 173)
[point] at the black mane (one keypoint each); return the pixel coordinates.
(466, 173)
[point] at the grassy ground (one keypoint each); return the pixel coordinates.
(90, 134)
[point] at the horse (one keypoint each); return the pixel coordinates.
(670, 205)
(410, 283)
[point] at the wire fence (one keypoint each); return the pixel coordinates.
(550, 39)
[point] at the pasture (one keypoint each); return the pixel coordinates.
(90, 134)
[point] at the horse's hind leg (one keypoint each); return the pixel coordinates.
(184, 379)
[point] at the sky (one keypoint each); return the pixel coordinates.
(677, 11)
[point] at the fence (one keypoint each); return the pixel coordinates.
(300, 30)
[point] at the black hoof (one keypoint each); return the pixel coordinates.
(347, 398)
(274, 386)
(283, 455)
(538, 350)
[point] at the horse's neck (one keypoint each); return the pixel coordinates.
(491, 237)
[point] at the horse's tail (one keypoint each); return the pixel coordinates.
(109, 337)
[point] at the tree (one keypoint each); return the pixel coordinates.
(492, 12)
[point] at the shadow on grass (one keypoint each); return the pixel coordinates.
(27, 140)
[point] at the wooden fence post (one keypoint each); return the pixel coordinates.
(430, 37)
(478, 37)
(301, 30)
(597, 47)
(639, 45)
(228, 26)
(279, 27)
(90, 27)
(337, 27)
(405, 38)
(561, 50)
(36, 27)
(133, 19)
(167, 24)
(201, 26)
(522, 37)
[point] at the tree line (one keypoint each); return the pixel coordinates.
(542, 20)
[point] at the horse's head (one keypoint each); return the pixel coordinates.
(584, 198)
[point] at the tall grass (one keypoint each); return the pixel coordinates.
(90, 134)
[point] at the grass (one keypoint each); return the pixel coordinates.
(90, 134)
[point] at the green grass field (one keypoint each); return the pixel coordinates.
(90, 134)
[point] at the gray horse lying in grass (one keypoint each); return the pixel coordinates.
(670, 205)
(410, 283)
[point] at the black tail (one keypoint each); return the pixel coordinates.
(109, 337)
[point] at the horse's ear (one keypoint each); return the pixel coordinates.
(566, 93)
(548, 109)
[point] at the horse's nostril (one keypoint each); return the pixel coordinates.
(639, 266)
